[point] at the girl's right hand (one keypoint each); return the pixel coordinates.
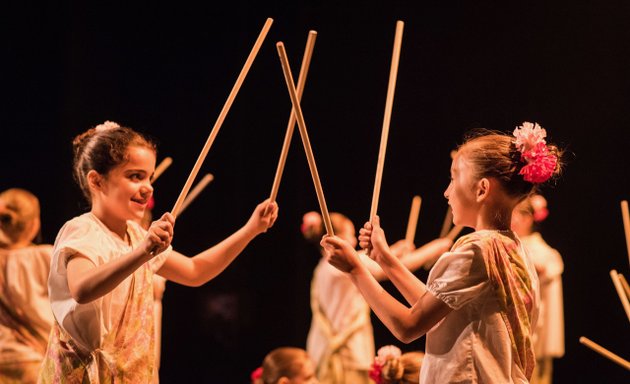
(372, 235)
(159, 235)
(340, 253)
(263, 217)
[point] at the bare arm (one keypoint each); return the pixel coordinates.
(407, 324)
(198, 270)
(398, 270)
(88, 282)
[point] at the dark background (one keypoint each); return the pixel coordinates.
(166, 69)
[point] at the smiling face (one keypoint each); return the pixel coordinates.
(461, 192)
(123, 193)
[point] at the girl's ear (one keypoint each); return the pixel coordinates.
(95, 180)
(483, 189)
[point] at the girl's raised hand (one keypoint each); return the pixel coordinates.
(263, 217)
(340, 253)
(159, 235)
(373, 235)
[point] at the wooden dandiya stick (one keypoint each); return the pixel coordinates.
(626, 224)
(286, 69)
(621, 292)
(413, 219)
(306, 61)
(448, 220)
(389, 102)
(625, 285)
(196, 191)
(161, 168)
(604, 352)
(222, 115)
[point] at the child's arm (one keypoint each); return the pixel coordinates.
(412, 260)
(404, 280)
(407, 324)
(88, 282)
(198, 270)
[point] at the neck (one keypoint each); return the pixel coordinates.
(119, 227)
(493, 217)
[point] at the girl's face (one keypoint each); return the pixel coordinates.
(461, 192)
(125, 191)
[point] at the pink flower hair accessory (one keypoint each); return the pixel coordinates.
(385, 353)
(539, 205)
(311, 221)
(530, 142)
(256, 374)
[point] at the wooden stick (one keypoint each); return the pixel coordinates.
(620, 291)
(626, 224)
(413, 219)
(196, 191)
(161, 168)
(306, 61)
(625, 285)
(604, 352)
(391, 87)
(222, 115)
(448, 220)
(286, 69)
(452, 234)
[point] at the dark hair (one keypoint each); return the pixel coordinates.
(282, 362)
(494, 154)
(102, 148)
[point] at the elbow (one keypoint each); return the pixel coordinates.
(82, 296)
(407, 333)
(407, 337)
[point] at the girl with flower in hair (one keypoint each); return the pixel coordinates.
(391, 366)
(101, 278)
(549, 332)
(25, 315)
(341, 339)
(285, 365)
(479, 306)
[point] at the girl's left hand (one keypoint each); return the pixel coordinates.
(340, 253)
(263, 217)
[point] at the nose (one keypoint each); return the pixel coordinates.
(147, 188)
(447, 191)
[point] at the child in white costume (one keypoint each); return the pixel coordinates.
(101, 278)
(341, 338)
(549, 331)
(479, 306)
(25, 315)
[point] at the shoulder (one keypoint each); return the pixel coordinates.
(78, 227)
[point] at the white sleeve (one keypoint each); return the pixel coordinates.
(458, 276)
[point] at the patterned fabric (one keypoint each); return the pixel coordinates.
(510, 279)
(126, 354)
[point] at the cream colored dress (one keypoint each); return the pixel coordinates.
(549, 332)
(340, 340)
(25, 314)
(111, 339)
